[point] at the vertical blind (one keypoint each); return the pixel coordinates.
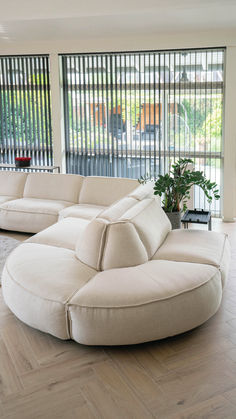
(25, 110)
(128, 114)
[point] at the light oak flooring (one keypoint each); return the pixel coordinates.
(189, 376)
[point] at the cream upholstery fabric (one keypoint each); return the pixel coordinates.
(5, 198)
(106, 245)
(65, 233)
(53, 186)
(153, 282)
(151, 223)
(150, 301)
(195, 246)
(81, 211)
(89, 249)
(114, 307)
(143, 191)
(46, 194)
(122, 247)
(29, 214)
(12, 183)
(103, 191)
(116, 210)
(38, 281)
(129, 241)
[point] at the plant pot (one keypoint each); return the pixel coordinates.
(175, 219)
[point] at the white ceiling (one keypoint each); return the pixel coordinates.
(49, 20)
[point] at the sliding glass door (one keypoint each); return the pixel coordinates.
(128, 114)
(25, 110)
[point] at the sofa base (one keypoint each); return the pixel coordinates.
(106, 308)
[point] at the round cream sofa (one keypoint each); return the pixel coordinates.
(121, 277)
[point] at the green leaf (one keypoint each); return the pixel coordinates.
(175, 187)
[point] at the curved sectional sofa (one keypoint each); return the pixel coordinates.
(104, 267)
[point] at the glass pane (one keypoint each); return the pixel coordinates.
(136, 113)
(25, 110)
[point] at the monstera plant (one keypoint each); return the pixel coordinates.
(174, 187)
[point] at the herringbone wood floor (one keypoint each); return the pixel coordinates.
(189, 376)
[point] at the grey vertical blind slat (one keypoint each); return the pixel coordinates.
(25, 106)
(127, 114)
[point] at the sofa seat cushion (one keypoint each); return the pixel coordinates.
(146, 302)
(30, 214)
(65, 233)
(38, 282)
(81, 211)
(5, 198)
(196, 246)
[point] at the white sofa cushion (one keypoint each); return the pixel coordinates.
(130, 240)
(65, 233)
(103, 191)
(136, 236)
(86, 211)
(143, 191)
(38, 282)
(123, 247)
(116, 210)
(151, 223)
(53, 186)
(12, 183)
(5, 198)
(147, 302)
(89, 248)
(29, 214)
(196, 246)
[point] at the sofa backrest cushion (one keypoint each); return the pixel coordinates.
(12, 183)
(143, 191)
(129, 240)
(151, 223)
(53, 186)
(116, 210)
(89, 249)
(99, 190)
(123, 247)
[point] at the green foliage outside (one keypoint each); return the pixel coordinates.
(24, 116)
(197, 123)
(204, 119)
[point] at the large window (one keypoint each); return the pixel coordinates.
(25, 120)
(129, 114)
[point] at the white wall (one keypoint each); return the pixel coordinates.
(158, 41)
(229, 199)
(128, 43)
